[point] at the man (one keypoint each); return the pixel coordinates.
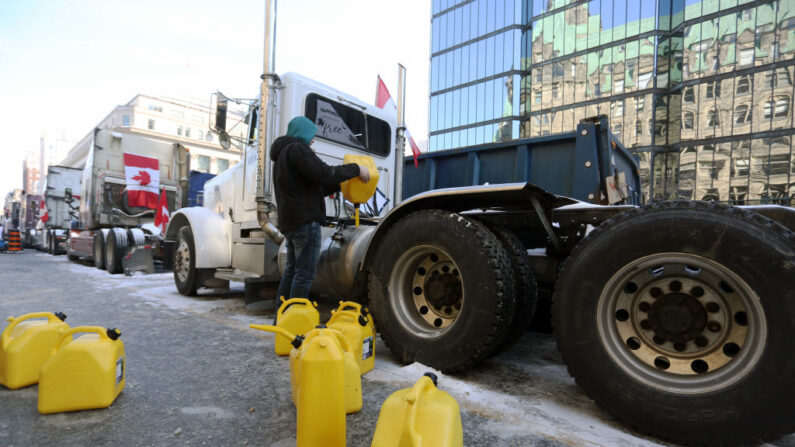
(302, 180)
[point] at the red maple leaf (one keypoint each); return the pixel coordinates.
(142, 178)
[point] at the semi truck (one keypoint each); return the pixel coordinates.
(108, 225)
(61, 203)
(30, 217)
(675, 317)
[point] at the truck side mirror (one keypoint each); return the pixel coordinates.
(219, 124)
(221, 106)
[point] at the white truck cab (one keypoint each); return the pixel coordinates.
(226, 240)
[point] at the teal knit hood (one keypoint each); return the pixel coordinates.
(302, 128)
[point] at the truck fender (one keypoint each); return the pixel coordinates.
(210, 233)
(462, 199)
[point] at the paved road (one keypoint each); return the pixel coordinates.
(197, 375)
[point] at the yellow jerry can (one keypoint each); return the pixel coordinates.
(320, 390)
(26, 344)
(419, 416)
(353, 381)
(359, 331)
(355, 190)
(297, 316)
(90, 372)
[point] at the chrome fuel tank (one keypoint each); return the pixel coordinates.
(341, 252)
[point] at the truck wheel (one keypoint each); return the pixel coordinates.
(99, 250)
(441, 290)
(677, 318)
(50, 238)
(526, 293)
(114, 249)
(185, 273)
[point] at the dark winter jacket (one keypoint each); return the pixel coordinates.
(302, 180)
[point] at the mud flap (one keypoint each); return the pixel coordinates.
(138, 259)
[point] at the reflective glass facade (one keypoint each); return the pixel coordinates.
(701, 91)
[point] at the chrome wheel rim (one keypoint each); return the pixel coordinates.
(182, 261)
(681, 323)
(426, 291)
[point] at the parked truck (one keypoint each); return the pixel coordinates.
(676, 317)
(60, 208)
(108, 226)
(30, 217)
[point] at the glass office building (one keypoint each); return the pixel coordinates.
(701, 91)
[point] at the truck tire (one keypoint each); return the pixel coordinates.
(50, 243)
(677, 318)
(115, 248)
(99, 249)
(185, 273)
(526, 293)
(441, 290)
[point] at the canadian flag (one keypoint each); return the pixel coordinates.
(384, 99)
(44, 215)
(162, 214)
(143, 180)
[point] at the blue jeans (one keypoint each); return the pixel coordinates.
(303, 249)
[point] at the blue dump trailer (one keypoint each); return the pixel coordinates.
(589, 165)
(195, 195)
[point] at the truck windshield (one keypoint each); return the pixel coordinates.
(349, 126)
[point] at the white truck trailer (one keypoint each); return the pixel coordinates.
(675, 317)
(108, 226)
(61, 200)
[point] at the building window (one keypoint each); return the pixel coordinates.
(125, 120)
(179, 130)
(778, 78)
(640, 103)
(187, 132)
(538, 97)
(555, 90)
(151, 125)
(638, 127)
(177, 114)
(689, 95)
(201, 134)
(743, 85)
(203, 163)
(644, 80)
(222, 165)
(779, 109)
(713, 89)
(742, 114)
(782, 108)
(687, 121)
(618, 109)
(713, 118)
(747, 56)
(155, 108)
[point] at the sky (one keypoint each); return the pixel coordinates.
(65, 64)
